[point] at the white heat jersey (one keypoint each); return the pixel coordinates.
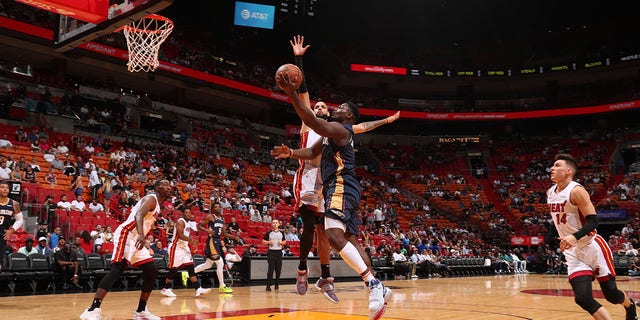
(149, 219)
(566, 216)
(125, 236)
(307, 183)
(188, 226)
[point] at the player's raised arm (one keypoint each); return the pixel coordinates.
(333, 130)
(370, 125)
(299, 49)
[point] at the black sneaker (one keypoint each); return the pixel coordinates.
(631, 312)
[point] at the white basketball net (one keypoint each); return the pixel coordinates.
(144, 38)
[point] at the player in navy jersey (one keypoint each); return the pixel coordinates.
(307, 186)
(9, 209)
(213, 225)
(341, 189)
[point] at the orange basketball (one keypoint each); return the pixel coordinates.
(295, 75)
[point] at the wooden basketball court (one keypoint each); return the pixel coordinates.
(494, 297)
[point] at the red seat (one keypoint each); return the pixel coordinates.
(107, 247)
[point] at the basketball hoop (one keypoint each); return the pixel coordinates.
(144, 38)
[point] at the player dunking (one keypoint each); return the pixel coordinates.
(307, 186)
(213, 224)
(180, 253)
(340, 187)
(129, 238)
(588, 254)
(8, 209)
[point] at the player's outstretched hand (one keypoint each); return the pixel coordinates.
(297, 44)
(281, 152)
(393, 117)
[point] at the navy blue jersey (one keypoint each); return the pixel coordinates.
(341, 189)
(216, 226)
(337, 161)
(6, 214)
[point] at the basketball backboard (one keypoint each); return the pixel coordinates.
(71, 32)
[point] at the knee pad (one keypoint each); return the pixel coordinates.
(611, 292)
(582, 290)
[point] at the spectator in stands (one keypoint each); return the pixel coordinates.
(20, 135)
(94, 181)
(5, 172)
(63, 203)
(76, 246)
(233, 225)
(43, 248)
(62, 149)
(67, 266)
(254, 214)
(5, 143)
(35, 146)
(28, 248)
(77, 184)
(291, 234)
(267, 217)
(108, 234)
(61, 241)
(233, 259)
(42, 230)
(98, 237)
(29, 175)
(96, 206)
(68, 169)
(78, 204)
(158, 248)
(403, 266)
(34, 165)
(286, 251)
(85, 241)
(57, 163)
(50, 177)
(49, 155)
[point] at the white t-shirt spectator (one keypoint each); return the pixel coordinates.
(62, 149)
(78, 205)
(4, 143)
(5, 172)
(96, 207)
(66, 205)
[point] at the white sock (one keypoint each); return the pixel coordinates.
(219, 272)
(352, 257)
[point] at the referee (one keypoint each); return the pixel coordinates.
(275, 240)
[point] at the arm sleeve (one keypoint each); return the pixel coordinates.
(266, 236)
(590, 225)
(303, 85)
(19, 221)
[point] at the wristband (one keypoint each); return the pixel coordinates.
(290, 153)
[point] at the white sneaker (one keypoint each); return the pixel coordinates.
(202, 291)
(144, 315)
(378, 297)
(167, 292)
(91, 315)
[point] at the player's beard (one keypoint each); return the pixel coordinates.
(323, 117)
